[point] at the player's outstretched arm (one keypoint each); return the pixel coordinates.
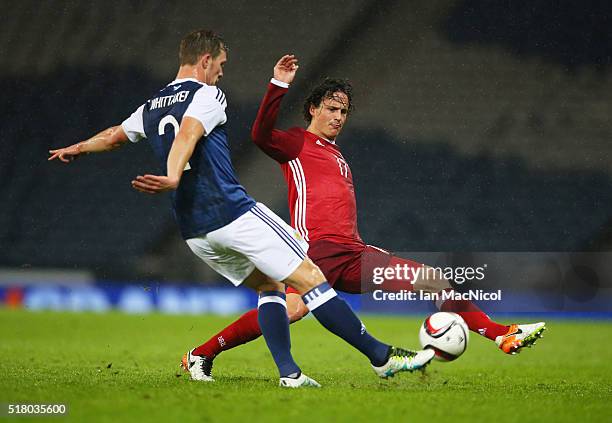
(190, 132)
(106, 140)
(279, 145)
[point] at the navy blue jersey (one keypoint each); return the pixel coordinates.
(209, 195)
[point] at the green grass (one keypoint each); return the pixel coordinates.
(65, 358)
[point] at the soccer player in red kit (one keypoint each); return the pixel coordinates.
(323, 210)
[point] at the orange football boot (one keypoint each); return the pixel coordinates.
(520, 336)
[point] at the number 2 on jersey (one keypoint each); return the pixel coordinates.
(161, 130)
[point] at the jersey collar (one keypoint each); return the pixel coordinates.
(321, 138)
(176, 81)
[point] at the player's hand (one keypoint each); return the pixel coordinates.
(285, 68)
(153, 184)
(66, 154)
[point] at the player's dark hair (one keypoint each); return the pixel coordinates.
(326, 89)
(197, 43)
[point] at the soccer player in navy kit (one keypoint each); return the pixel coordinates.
(324, 211)
(239, 238)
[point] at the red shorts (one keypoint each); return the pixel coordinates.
(345, 265)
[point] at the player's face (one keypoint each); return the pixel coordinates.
(214, 71)
(329, 118)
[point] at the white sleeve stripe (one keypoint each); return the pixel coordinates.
(220, 97)
(300, 206)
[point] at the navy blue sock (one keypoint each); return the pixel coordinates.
(274, 325)
(337, 317)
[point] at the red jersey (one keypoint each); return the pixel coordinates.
(319, 180)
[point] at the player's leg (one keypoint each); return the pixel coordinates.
(336, 316)
(321, 299)
(357, 274)
(242, 330)
(427, 281)
(274, 251)
(431, 282)
(478, 321)
(246, 328)
(510, 339)
(331, 258)
(217, 251)
(274, 324)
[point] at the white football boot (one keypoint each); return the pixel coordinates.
(300, 382)
(198, 366)
(401, 360)
(520, 336)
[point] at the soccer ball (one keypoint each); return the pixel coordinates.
(445, 333)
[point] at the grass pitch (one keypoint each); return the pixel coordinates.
(116, 367)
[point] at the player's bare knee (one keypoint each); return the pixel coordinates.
(312, 276)
(315, 276)
(305, 277)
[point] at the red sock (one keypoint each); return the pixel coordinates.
(474, 317)
(243, 330)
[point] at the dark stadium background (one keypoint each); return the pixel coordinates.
(479, 126)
